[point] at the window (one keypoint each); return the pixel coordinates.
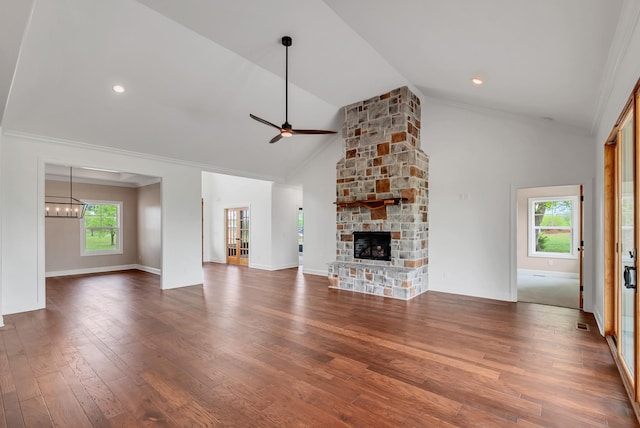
(101, 229)
(552, 227)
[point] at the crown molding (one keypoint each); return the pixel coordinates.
(129, 153)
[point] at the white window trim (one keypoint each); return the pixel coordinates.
(575, 225)
(83, 234)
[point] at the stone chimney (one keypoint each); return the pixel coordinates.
(382, 186)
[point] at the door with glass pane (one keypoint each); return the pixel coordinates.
(627, 254)
(237, 235)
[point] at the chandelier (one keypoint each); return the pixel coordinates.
(64, 206)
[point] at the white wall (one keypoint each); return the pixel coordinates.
(478, 160)
(318, 180)
(209, 235)
(22, 181)
(623, 79)
(286, 200)
(150, 228)
(1, 240)
(226, 191)
(273, 214)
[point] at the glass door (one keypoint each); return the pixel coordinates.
(627, 256)
(621, 239)
(237, 236)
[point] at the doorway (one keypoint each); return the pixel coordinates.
(549, 245)
(237, 235)
(300, 236)
(120, 229)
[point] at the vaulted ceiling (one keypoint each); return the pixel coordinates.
(193, 70)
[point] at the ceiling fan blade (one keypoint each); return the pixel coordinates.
(266, 122)
(275, 139)
(311, 131)
(286, 127)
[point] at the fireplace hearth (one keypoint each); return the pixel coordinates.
(382, 198)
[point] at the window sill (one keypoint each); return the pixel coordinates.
(553, 256)
(101, 253)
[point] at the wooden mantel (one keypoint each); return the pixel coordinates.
(371, 203)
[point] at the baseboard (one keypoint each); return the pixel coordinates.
(458, 291)
(287, 266)
(531, 272)
(86, 271)
(258, 266)
(321, 272)
(149, 269)
(215, 260)
(101, 269)
(599, 322)
(272, 268)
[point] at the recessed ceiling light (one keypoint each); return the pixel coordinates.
(118, 88)
(477, 81)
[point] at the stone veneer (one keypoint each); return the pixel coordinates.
(382, 185)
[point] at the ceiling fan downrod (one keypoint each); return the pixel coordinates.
(286, 42)
(286, 130)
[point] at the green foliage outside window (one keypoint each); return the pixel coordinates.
(101, 223)
(553, 226)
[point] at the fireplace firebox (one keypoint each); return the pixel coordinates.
(372, 245)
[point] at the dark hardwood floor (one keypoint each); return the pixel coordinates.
(278, 349)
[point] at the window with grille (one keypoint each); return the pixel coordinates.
(101, 229)
(552, 227)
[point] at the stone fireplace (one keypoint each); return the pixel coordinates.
(382, 187)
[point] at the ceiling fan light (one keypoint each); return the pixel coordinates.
(286, 130)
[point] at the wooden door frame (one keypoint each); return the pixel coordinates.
(585, 189)
(611, 238)
(611, 271)
(636, 133)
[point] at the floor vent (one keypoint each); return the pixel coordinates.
(582, 326)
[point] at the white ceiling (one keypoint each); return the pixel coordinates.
(195, 69)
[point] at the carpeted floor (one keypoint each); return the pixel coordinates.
(549, 290)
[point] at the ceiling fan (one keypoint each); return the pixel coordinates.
(286, 130)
